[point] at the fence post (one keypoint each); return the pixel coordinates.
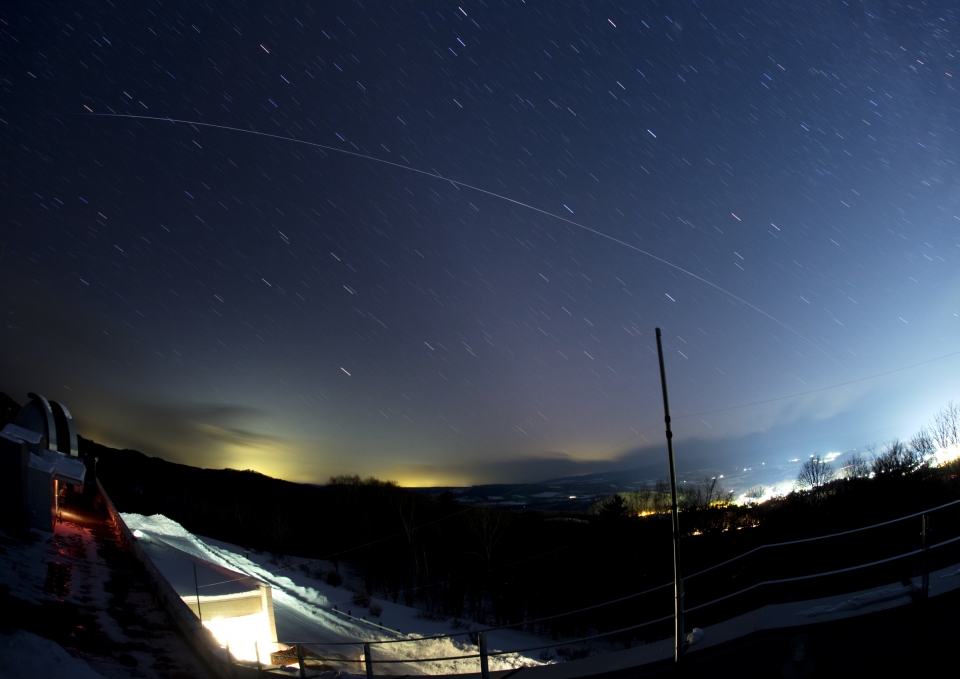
(484, 666)
(196, 587)
(303, 668)
(256, 652)
(925, 528)
(367, 660)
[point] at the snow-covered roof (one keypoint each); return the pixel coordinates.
(33, 439)
(38, 463)
(67, 469)
(177, 566)
(60, 467)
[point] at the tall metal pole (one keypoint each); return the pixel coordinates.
(677, 579)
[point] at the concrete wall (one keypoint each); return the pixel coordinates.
(227, 606)
(266, 593)
(14, 461)
(203, 642)
(41, 499)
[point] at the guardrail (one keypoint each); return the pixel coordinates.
(227, 667)
(198, 636)
(887, 569)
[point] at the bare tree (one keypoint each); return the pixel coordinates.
(754, 493)
(279, 528)
(487, 525)
(703, 494)
(640, 502)
(814, 473)
(897, 459)
(662, 499)
(923, 446)
(859, 467)
(696, 495)
(946, 426)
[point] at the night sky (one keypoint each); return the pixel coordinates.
(774, 184)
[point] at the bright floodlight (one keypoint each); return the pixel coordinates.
(245, 634)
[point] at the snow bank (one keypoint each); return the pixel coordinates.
(862, 600)
(19, 571)
(27, 656)
(309, 611)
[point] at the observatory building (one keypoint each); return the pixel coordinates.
(39, 459)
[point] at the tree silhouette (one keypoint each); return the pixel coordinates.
(946, 426)
(613, 509)
(814, 473)
(897, 459)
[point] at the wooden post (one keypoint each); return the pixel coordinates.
(484, 664)
(368, 661)
(196, 587)
(677, 579)
(303, 668)
(256, 652)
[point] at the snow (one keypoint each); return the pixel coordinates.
(27, 656)
(861, 601)
(19, 571)
(189, 573)
(68, 469)
(310, 611)
(305, 612)
(31, 438)
(62, 586)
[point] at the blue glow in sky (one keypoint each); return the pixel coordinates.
(775, 186)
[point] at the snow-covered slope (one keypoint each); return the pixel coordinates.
(305, 613)
(27, 656)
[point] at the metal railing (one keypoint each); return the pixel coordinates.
(929, 554)
(882, 566)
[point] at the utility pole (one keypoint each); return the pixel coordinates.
(677, 579)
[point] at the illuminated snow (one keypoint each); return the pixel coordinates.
(246, 636)
(304, 611)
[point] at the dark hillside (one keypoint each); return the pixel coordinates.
(499, 566)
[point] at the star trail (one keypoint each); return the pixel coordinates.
(431, 241)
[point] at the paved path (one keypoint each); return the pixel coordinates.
(83, 590)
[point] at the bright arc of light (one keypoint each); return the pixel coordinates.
(479, 190)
